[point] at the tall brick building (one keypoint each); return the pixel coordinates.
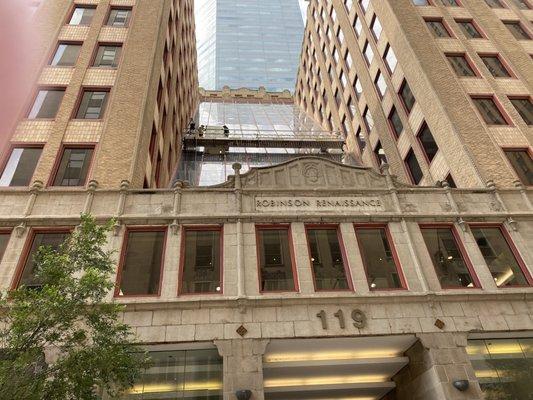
(440, 89)
(293, 276)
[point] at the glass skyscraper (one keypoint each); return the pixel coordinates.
(248, 43)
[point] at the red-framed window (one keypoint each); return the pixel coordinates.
(19, 166)
(51, 237)
(140, 272)
(380, 260)
(73, 166)
(327, 257)
(521, 159)
(501, 255)
(275, 259)
(201, 265)
(5, 235)
(448, 255)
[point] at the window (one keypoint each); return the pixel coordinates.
(495, 247)
(66, 55)
(4, 240)
(358, 88)
(379, 153)
(107, 56)
(376, 28)
(489, 111)
(517, 30)
(142, 262)
(438, 28)
(413, 167)
(20, 166)
(395, 122)
(364, 5)
(327, 259)
(367, 118)
(408, 100)
(361, 141)
(74, 166)
(46, 104)
(460, 65)
(358, 26)
(450, 264)
(502, 366)
(390, 59)
(524, 107)
(494, 3)
(92, 105)
(368, 52)
(82, 16)
(469, 29)
(275, 259)
(421, 2)
(379, 258)
(194, 373)
(52, 239)
(450, 181)
(453, 3)
(201, 261)
(380, 83)
(522, 163)
(119, 17)
(495, 66)
(425, 137)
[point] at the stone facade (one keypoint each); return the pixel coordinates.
(441, 319)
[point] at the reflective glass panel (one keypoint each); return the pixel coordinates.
(275, 262)
(20, 166)
(73, 167)
(201, 269)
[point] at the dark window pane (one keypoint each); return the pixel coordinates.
(524, 108)
(368, 120)
(327, 260)
(379, 153)
(450, 3)
(179, 374)
(522, 164)
(448, 261)
(107, 56)
(450, 181)
(275, 262)
(141, 271)
(92, 105)
(201, 270)
(407, 96)
(361, 141)
(494, 3)
(469, 29)
(119, 17)
(499, 257)
(395, 122)
(489, 111)
(66, 55)
(4, 239)
(82, 16)
(20, 166)
(428, 142)
(517, 30)
(74, 166)
(378, 259)
(437, 28)
(460, 65)
(46, 104)
(413, 167)
(40, 239)
(522, 4)
(495, 66)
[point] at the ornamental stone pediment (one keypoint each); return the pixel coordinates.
(308, 173)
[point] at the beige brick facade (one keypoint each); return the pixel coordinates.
(470, 150)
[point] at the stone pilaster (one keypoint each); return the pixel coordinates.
(436, 361)
(243, 366)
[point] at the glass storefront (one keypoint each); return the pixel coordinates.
(180, 374)
(504, 367)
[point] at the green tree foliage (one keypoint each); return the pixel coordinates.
(67, 319)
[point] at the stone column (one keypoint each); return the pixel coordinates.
(243, 366)
(435, 362)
